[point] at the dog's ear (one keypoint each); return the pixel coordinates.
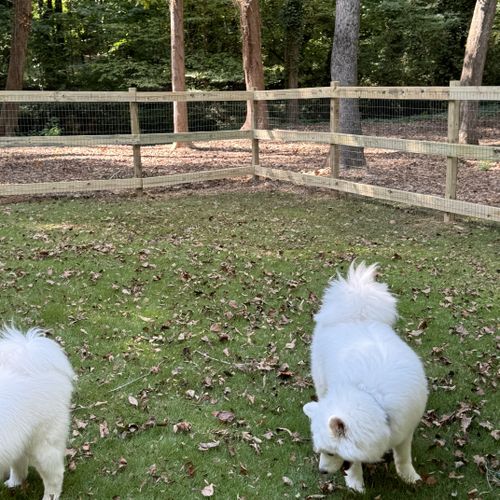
(310, 408)
(337, 426)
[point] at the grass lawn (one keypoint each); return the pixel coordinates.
(188, 320)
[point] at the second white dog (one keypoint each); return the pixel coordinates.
(371, 386)
(36, 382)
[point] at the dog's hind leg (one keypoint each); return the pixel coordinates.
(18, 473)
(402, 460)
(49, 463)
(354, 477)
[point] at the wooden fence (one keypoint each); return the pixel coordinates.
(451, 149)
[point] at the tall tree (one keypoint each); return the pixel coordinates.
(293, 23)
(253, 66)
(178, 66)
(473, 67)
(21, 24)
(344, 69)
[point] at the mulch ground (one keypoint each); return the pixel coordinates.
(478, 181)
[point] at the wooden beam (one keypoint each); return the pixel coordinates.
(395, 195)
(191, 177)
(334, 154)
(68, 186)
(122, 139)
(135, 128)
(116, 184)
(407, 145)
(452, 161)
(301, 93)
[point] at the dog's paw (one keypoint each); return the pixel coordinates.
(13, 482)
(355, 485)
(408, 474)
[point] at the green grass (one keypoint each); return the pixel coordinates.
(204, 303)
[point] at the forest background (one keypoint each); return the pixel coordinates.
(116, 44)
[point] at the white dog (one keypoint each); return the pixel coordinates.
(36, 382)
(371, 386)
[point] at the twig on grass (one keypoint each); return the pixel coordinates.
(206, 356)
(130, 382)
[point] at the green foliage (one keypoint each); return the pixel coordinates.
(404, 42)
(5, 27)
(52, 128)
(116, 44)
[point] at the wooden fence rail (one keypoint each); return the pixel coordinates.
(451, 150)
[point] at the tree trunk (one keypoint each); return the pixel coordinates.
(252, 58)
(293, 18)
(344, 69)
(178, 67)
(21, 24)
(473, 67)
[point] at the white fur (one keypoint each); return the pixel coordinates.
(36, 382)
(371, 386)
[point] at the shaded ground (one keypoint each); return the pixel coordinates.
(478, 181)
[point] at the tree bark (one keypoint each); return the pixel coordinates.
(178, 67)
(344, 69)
(473, 67)
(253, 66)
(293, 17)
(21, 24)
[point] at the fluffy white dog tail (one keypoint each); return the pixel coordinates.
(32, 353)
(359, 297)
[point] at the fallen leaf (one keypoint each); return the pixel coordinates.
(208, 446)
(182, 426)
(208, 490)
(224, 416)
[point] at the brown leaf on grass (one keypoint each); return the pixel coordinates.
(190, 469)
(208, 446)
(182, 426)
(86, 450)
(133, 401)
(224, 416)
(103, 429)
(440, 443)
(481, 463)
(285, 372)
(253, 441)
(80, 424)
(328, 487)
(486, 425)
(429, 480)
(465, 423)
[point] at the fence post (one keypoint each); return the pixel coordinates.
(334, 154)
(254, 125)
(135, 129)
(452, 161)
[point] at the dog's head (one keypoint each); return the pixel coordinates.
(359, 435)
